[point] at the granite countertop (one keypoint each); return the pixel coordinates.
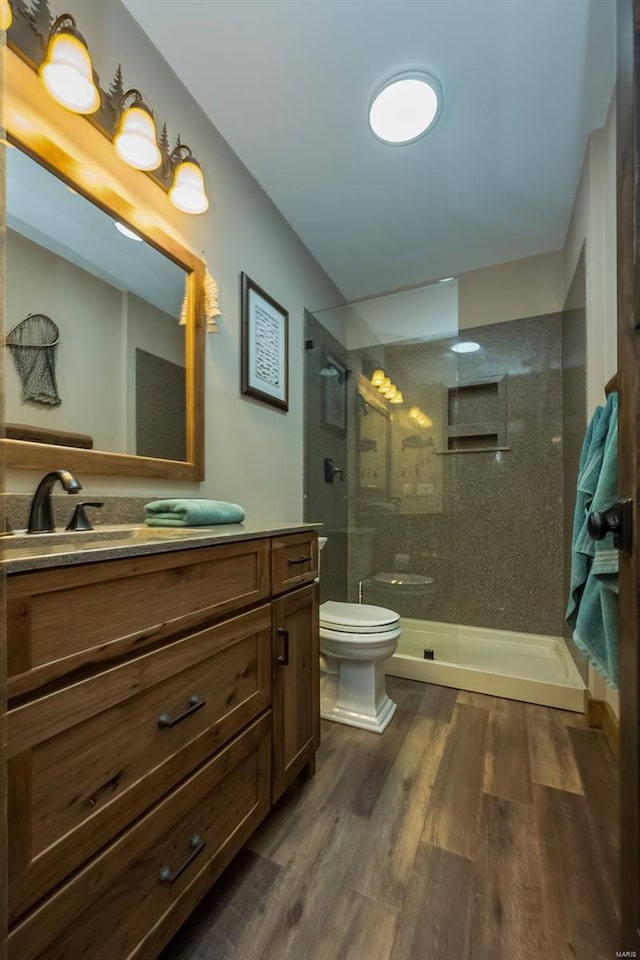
(21, 552)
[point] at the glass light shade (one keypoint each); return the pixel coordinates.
(466, 346)
(6, 16)
(406, 107)
(391, 392)
(187, 191)
(386, 383)
(67, 73)
(126, 231)
(414, 413)
(426, 421)
(135, 141)
(398, 397)
(377, 378)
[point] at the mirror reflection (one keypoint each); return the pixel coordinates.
(96, 351)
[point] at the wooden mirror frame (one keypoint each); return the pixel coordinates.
(80, 155)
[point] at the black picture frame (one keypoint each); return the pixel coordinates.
(264, 346)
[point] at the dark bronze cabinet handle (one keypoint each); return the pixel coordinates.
(195, 703)
(196, 845)
(283, 661)
(294, 560)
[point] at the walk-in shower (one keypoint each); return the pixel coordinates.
(451, 511)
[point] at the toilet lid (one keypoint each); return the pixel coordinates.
(403, 579)
(356, 617)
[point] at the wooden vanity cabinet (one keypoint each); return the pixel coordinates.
(159, 705)
(296, 686)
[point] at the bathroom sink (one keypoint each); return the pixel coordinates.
(21, 544)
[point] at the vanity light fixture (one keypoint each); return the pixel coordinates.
(406, 107)
(136, 140)
(126, 231)
(187, 191)
(6, 15)
(67, 71)
(125, 119)
(466, 346)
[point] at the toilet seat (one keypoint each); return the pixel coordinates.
(356, 618)
(354, 639)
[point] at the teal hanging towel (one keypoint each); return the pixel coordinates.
(592, 612)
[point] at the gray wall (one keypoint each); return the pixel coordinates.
(325, 502)
(574, 416)
(488, 526)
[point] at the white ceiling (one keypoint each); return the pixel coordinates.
(288, 84)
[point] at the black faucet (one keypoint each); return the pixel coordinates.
(41, 514)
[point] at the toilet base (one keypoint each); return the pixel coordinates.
(354, 694)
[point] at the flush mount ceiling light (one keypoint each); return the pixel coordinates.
(126, 232)
(136, 140)
(446, 279)
(67, 71)
(466, 346)
(406, 107)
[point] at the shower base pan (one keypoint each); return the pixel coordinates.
(519, 666)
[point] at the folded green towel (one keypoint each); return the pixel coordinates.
(192, 513)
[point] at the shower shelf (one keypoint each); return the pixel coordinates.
(446, 453)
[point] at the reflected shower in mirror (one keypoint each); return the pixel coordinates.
(116, 301)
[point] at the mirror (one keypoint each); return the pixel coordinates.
(115, 378)
(103, 319)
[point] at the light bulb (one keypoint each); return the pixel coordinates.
(187, 191)
(377, 378)
(6, 16)
(67, 71)
(135, 141)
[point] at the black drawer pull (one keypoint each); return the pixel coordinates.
(283, 661)
(295, 560)
(195, 703)
(196, 845)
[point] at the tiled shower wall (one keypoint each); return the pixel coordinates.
(487, 526)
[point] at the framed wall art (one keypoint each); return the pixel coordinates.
(265, 346)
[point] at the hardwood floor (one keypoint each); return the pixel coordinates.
(473, 829)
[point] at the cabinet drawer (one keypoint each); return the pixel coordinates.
(60, 619)
(294, 561)
(127, 902)
(88, 759)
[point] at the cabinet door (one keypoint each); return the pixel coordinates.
(296, 690)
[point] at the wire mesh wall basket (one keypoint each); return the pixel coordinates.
(34, 345)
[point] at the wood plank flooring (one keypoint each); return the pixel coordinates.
(474, 828)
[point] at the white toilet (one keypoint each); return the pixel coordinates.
(355, 641)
